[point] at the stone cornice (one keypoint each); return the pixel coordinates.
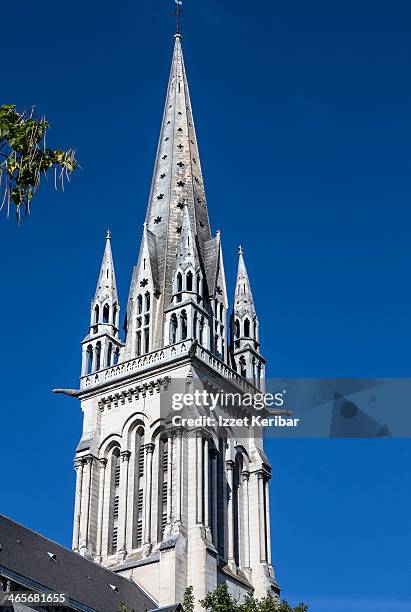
(143, 390)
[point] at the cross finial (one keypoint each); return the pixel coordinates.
(179, 4)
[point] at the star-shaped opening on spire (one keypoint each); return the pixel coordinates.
(164, 157)
(180, 164)
(160, 196)
(180, 183)
(162, 175)
(157, 220)
(180, 146)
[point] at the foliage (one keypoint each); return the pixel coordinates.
(220, 600)
(188, 600)
(123, 607)
(24, 158)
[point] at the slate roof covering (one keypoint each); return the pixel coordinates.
(25, 558)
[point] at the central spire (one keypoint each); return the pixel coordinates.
(177, 183)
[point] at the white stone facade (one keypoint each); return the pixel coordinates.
(165, 505)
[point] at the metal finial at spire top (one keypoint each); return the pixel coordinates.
(108, 234)
(240, 250)
(178, 12)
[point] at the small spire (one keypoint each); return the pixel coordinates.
(108, 234)
(240, 250)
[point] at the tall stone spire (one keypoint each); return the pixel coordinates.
(177, 184)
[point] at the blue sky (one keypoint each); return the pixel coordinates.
(302, 115)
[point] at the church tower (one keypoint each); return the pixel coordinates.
(162, 504)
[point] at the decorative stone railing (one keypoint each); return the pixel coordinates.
(162, 356)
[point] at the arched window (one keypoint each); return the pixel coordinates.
(139, 304)
(201, 334)
(138, 343)
(96, 314)
(237, 510)
(183, 323)
(237, 328)
(138, 499)
(114, 501)
(98, 355)
(221, 313)
(109, 354)
(173, 329)
(259, 368)
(106, 313)
(115, 308)
(198, 285)
(195, 323)
(147, 302)
(243, 367)
(179, 282)
(89, 359)
(116, 356)
(247, 328)
(189, 281)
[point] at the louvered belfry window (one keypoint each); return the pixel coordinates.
(163, 484)
(138, 503)
(114, 501)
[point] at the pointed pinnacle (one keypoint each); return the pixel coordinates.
(240, 250)
(108, 234)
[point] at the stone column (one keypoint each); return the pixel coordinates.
(230, 513)
(85, 502)
(261, 516)
(169, 475)
(199, 478)
(101, 491)
(267, 520)
(246, 506)
(123, 496)
(214, 507)
(78, 466)
(179, 463)
(148, 472)
(84, 358)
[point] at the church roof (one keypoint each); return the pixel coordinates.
(38, 563)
